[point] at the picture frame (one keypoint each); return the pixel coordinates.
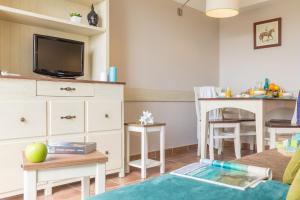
(267, 33)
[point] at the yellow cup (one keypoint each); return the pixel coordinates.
(228, 93)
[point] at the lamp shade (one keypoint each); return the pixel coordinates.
(222, 8)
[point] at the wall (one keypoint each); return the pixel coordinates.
(164, 56)
(242, 67)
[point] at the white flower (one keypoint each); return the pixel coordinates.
(146, 118)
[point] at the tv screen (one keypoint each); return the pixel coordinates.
(57, 56)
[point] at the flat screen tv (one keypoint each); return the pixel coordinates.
(57, 56)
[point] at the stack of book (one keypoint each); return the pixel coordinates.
(72, 148)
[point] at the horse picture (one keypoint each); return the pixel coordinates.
(267, 33)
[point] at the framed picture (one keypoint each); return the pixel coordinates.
(267, 33)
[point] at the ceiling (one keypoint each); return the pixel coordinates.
(200, 4)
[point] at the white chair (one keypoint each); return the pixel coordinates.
(220, 136)
(204, 92)
(217, 123)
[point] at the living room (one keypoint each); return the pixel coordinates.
(158, 66)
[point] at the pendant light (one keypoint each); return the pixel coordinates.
(222, 8)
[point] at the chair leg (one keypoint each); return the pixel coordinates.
(237, 141)
(220, 149)
(211, 142)
(252, 143)
(272, 138)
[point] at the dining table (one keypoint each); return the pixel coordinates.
(259, 106)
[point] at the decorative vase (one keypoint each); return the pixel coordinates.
(93, 17)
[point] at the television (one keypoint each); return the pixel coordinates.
(58, 57)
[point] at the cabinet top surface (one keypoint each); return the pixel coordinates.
(64, 160)
(59, 80)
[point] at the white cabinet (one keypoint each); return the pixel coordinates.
(110, 144)
(22, 119)
(66, 116)
(103, 115)
(11, 172)
(62, 111)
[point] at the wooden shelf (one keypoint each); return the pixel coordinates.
(149, 163)
(86, 2)
(34, 19)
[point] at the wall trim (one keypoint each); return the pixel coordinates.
(150, 95)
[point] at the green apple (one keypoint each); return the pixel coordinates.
(36, 152)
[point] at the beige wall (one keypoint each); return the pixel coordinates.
(157, 50)
(241, 66)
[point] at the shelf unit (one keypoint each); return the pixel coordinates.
(35, 14)
(35, 19)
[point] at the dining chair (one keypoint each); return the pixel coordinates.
(218, 123)
(277, 127)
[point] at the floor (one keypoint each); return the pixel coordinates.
(173, 161)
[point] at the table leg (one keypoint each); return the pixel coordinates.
(144, 154)
(85, 187)
(198, 137)
(204, 127)
(100, 178)
(162, 150)
(48, 189)
(260, 128)
(127, 136)
(30, 182)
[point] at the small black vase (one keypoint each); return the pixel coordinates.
(93, 17)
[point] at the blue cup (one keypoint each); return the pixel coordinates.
(113, 74)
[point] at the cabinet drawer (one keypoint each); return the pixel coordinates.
(109, 143)
(66, 117)
(64, 89)
(104, 115)
(13, 87)
(22, 119)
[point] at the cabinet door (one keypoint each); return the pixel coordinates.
(110, 144)
(103, 115)
(66, 117)
(22, 119)
(11, 172)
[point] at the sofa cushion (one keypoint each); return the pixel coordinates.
(292, 168)
(294, 191)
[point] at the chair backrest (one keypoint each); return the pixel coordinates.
(206, 92)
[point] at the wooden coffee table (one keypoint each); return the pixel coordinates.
(59, 167)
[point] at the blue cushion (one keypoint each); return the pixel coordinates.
(171, 187)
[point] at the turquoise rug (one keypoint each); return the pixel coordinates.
(169, 187)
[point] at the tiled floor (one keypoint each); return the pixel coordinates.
(174, 161)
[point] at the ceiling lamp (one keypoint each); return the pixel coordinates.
(222, 8)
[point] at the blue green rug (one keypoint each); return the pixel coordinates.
(169, 187)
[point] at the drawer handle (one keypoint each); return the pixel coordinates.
(68, 89)
(106, 152)
(22, 119)
(106, 115)
(68, 117)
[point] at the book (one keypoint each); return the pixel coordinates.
(72, 147)
(227, 174)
